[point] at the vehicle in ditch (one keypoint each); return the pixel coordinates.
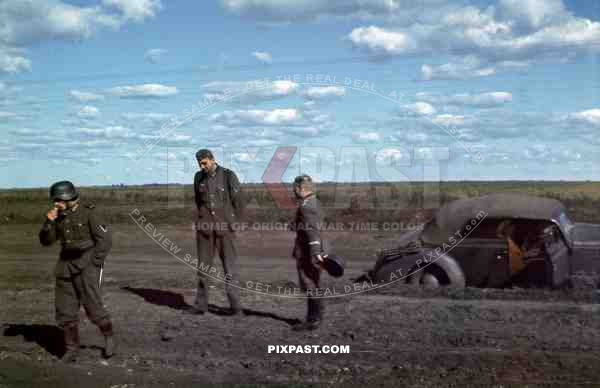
(496, 240)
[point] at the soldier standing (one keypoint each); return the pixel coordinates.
(86, 241)
(308, 249)
(217, 192)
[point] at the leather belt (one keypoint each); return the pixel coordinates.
(77, 246)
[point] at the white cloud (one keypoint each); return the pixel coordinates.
(253, 94)
(500, 37)
(88, 112)
(167, 156)
(470, 67)
(154, 55)
(305, 131)
(481, 100)
(243, 157)
(176, 140)
(391, 155)
(180, 138)
(143, 91)
(591, 116)
(421, 108)
(367, 137)
(263, 56)
(85, 96)
(414, 136)
(30, 146)
(258, 117)
(110, 132)
(484, 99)
(324, 92)
(6, 89)
(449, 120)
(29, 22)
(278, 11)
(26, 132)
(532, 14)
(136, 10)
(12, 61)
(381, 41)
(148, 117)
(549, 153)
(7, 115)
(26, 23)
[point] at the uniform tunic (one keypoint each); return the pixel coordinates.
(307, 245)
(86, 241)
(219, 201)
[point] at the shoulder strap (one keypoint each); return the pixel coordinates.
(200, 176)
(227, 174)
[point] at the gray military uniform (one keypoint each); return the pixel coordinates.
(308, 244)
(219, 202)
(86, 241)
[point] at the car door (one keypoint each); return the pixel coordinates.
(483, 256)
(558, 268)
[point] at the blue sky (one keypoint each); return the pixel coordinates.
(489, 90)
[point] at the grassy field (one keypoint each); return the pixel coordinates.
(399, 336)
(342, 202)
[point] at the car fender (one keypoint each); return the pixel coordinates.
(450, 266)
(393, 268)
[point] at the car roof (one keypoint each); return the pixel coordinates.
(453, 216)
(505, 205)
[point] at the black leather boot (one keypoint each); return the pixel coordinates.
(106, 329)
(71, 336)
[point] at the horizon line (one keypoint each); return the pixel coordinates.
(322, 183)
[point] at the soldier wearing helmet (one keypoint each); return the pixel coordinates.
(86, 241)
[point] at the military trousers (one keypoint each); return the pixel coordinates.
(80, 289)
(207, 245)
(309, 276)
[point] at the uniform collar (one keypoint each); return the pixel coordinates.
(72, 210)
(215, 171)
(307, 198)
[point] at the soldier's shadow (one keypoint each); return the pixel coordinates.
(160, 297)
(48, 337)
(177, 302)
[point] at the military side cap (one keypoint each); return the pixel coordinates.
(334, 265)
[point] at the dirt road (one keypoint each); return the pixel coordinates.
(396, 336)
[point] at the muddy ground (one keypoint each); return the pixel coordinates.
(398, 336)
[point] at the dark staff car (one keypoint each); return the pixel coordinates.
(495, 240)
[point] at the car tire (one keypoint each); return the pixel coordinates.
(444, 272)
(383, 275)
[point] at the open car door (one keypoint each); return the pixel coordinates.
(559, 270)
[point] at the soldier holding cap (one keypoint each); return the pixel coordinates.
(86, 241)
(308, 249)
(218, 196)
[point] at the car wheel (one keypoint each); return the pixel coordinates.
(442, 273)
(388, 273)
(430, 278)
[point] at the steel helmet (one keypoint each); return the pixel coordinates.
(63, 190)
